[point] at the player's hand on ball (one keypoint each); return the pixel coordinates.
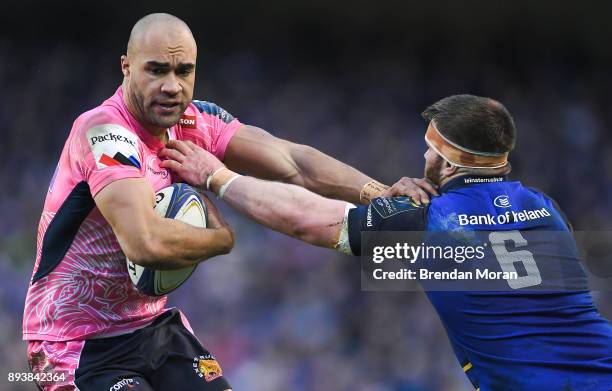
(416, 188)
(215, 219)
(191, 162)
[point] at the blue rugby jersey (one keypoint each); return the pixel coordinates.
(526, 334)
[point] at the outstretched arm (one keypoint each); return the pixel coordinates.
(255, 152)
(289, 209)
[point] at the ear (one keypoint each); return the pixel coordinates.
(449, 169)
(125, 66)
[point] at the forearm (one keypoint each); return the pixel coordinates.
(175, 244)
(150, 240)
(327, 176)
(255, 152)
(289, 209)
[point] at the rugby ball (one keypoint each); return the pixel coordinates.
(180, 202)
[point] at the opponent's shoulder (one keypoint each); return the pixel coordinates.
(552, 203)
(212, 110)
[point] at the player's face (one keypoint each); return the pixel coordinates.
(161, 77)
(434, 166)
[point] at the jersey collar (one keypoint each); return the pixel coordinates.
(467, 180)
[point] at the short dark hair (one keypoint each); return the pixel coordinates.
(473, 122)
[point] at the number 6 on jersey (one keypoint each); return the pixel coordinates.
(507, 259)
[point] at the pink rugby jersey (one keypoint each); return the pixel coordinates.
(80, 286)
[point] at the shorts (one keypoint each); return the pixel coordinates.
(162, 356)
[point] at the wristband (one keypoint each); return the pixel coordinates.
(210, 177)
(370, 191)
(224, 188)
(220, 180)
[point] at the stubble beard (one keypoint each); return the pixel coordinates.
(433, 174)
(163, 121)
(148, 116)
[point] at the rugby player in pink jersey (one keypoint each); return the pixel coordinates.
(84, 321)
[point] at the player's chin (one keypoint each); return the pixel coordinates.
(166, 120)
(167, 109)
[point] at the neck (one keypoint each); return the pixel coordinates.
(158, 132)
(478, 172)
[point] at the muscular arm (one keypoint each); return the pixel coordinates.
(258, 153)
(153, 241)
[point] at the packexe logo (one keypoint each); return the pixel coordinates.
(188, 121)
(111, 137)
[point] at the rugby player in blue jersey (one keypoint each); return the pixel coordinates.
(537, 331)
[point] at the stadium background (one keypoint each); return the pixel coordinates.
(349, 78)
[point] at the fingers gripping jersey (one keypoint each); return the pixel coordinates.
(80, 286)
(512, 338)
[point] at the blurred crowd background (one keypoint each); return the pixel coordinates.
(349, 78)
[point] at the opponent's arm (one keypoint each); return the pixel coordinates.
(255, 152)
(150, 240)
(289, 209)
(309, 217)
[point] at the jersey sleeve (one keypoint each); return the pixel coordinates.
(104, 153)
(385, 214)
(218, 127)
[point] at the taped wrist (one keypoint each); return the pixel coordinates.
(342, 242)
(370, 191)
(220, 180)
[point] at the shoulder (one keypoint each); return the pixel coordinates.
(101, 118)
(552, 203)
(107, 138)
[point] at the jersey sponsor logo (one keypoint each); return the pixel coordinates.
(207, 367)
(387, 207)
(113, 145)
(225, 116)
(111, 137)
(468, 180)
(119, 159)
(161, 173)
(124, 384)
(502, 201)
(506, 218)
(407, 200)
(153, 167)
(188, 121)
